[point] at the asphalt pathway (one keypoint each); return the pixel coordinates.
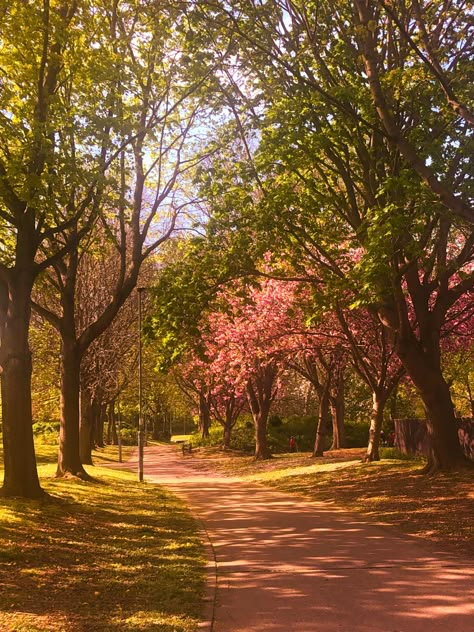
(282, 564)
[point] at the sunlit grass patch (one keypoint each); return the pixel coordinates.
(111, 555)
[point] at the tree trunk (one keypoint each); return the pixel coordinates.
(307, 398)
(446, 452)
(323, 413)
(262, 451)
(112, 437)
(204, 416)
(336, 401)
(99, 425)
(260, 401)
(227, 435)
(69, 460)
(86, 429)
(155, 435)
(21, 476)
(376, 420)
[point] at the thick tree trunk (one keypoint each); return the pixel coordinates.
(69, 460)
(376, 420)
(262, 451)
(260, 400)
(204, 416)
(227, 435)
(446, 452)
(21, 476)
(323, 413)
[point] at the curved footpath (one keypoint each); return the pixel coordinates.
(283, 564)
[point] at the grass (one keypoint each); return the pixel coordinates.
(438, 508)
(111, 555)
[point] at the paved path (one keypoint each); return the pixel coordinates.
(286, 565)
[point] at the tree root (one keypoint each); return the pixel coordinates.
(81, 475)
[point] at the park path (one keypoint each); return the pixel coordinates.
(282, 564)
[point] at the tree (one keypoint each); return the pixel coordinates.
(212, 395)
(74, 157)
(321, 366)
(374, 359)
(193, 378)
(44, 185)
(332, 188)
(250, 336)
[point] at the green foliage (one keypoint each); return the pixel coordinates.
(46, 432)
(396, 455)
(242, 438)
(129, 436)
(187, 287)
(357, 434)
(279, 431)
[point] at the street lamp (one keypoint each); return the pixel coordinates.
(141, 429)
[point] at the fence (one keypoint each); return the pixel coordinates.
(411, 436)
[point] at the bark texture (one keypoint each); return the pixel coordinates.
(21, 477)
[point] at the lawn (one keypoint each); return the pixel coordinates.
(437, 508)
(110, 555)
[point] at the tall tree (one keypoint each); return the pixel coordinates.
(79, 157)
(45, 186)
(331, 185)
(374, 359)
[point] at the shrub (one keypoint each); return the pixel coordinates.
(357, 434)
(46, 431)
(128, 436)
(393, 453)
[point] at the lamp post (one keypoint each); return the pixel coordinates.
(119, 431)
(141, 429)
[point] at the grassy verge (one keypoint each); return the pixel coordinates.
(438, 508)
(112, 555)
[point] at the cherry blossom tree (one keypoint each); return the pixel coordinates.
(251, 340)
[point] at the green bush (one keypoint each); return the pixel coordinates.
(357, 434)
(46, 431)
(242, 436)
(279, 431)
(128, 436)
(393, 453)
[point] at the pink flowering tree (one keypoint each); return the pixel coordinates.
(321, 362)
(210, 393)
(324, 350)
(249, 341)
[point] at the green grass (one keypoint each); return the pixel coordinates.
(110, 555)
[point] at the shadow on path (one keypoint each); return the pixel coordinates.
(285, 564)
